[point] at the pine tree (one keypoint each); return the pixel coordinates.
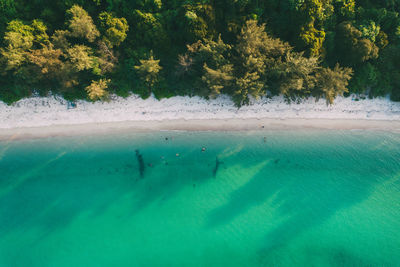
(218, 79)
(251, 59)
(331, 83)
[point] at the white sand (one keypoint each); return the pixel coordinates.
(185, 113)
(197, 125)
(37, 111)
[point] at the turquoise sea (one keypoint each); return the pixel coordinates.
(266, 198)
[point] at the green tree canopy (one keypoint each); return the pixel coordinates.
(115, 28)
(97, 89)
(81, 24)
(352, 47)
(148, 71)
(332, 82)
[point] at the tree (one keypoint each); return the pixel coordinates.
(313, 39)
(218, 79)
(195, 26)
(382, 39)
(40, 33)
(389, 66)
(60, 39)
(81, 24)
(206, 47)
(317, 9)
(148, 71)
(259, 61)
(149, 31)
(346, 8)
(81, 57)
(97, 89)
(7, 13)
(106, 60)
(62, 61)
(185, 63)
(47, 60)
(252, 50)
(251, 46)
(365, 79)
(352, 47)
(312, 34)
(115, 29)
(208, 60)
(331, 83)
(214, 53)
(295, 75)
(247, 84)
(197, 21)
(18, 39)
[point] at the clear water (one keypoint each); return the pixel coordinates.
(310, 198)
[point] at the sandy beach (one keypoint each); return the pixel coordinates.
(264, 124)
(51, 116)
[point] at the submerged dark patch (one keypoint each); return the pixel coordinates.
(140, 160)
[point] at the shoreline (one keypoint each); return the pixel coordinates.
(39, 117)
(53, 110)
(217, 125)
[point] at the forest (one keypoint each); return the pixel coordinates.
(90, 49)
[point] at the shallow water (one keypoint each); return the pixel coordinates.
(308, 198)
